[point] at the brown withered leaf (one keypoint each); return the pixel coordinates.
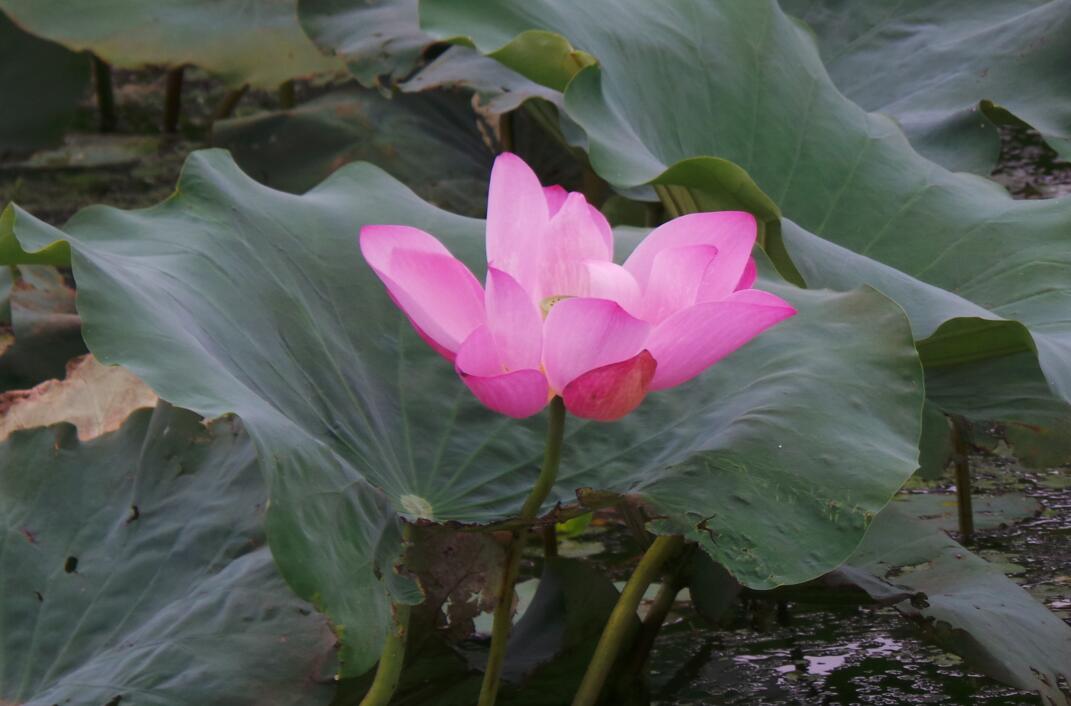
(93, 397)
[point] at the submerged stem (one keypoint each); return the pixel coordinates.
(617, 627)
(500, 629)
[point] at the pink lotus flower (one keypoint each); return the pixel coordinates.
(558, 317)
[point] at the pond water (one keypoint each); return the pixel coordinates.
(871, 655)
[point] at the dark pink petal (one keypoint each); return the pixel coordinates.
(675, 278)
(731, 232)
(612, 391)
(438, 294)
(572, 237)
(555, 196)
(517, 214)
(692, 340)
(747, 280)
(520, 393)
(583, 334)
(514, 320)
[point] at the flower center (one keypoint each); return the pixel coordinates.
(547, 304)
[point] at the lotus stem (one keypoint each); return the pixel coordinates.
(964, 505)
(550, 541)
(173, 99)
(675, 580)
(102, 79)
(391, 659)
(505, 132)
(287, 100)
(503, 619)
(226, 107)
(677, 200)
(617, 627)
(389, 671)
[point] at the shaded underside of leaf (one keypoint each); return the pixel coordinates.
(378, 39)
(45, 330)
(430, 142)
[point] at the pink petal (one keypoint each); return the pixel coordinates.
(555, 196)
(731, 232)
(692, 340)
(605, 230)
(514, 320)
(378, 242)
(608, 280)
(520, 393)
(571, 237)
(583, 334)
(598, 279)
(612, 391)
(675, 279)
(441, 298)
(747, 280)
(517, 214)
(438, 294)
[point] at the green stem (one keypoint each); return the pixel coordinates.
(389, 671)
(503, 619)
(621, 619)
(675, 580)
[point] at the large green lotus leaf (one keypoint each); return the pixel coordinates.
(133, 569)
(971, 607)
(500, 90)
(232, 297)
(258, 42)
(930, 64)
(376, 38)
(431, 142)
(981, 363)
(980, 275)
(381, 42)
(42, 84)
